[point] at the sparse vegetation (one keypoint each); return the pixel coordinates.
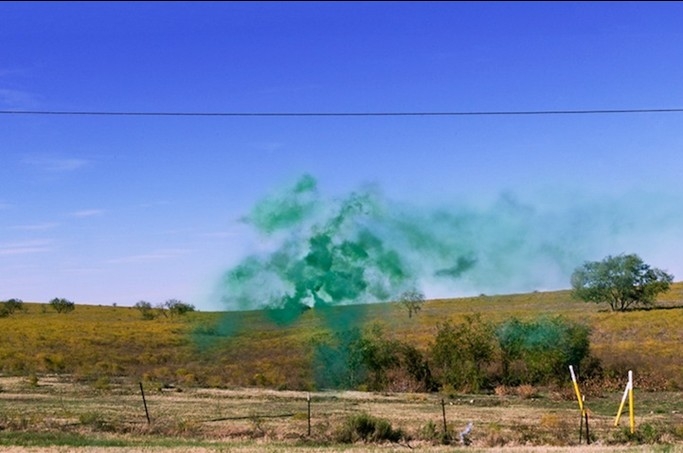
(10, 306)
(61, 305)
(177, 307)
(413, 301)
(146, 310)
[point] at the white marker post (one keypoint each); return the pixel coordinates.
(632, 419)
(576, 389)
(628, 393)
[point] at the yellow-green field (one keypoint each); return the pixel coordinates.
(97, 343)
(77, 374)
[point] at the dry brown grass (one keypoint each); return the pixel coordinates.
(197, 419)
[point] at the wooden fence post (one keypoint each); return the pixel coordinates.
(308, 400)
(144, 401)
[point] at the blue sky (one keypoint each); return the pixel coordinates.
(117, 209)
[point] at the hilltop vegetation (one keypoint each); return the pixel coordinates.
(97, 344)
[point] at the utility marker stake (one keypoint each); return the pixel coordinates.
(308, 400)
(144, 401)
(628, 393)
(576, 389)
(621, 406)
(588, 437)
(581, 407)
(443, 411)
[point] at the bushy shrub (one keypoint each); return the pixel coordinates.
(415, 364)
(178, 308)
(62, 305)
(146, 310)
(540, 351)
(337, 360)
(369, 360)
(366, 428)
(460, 353)
(8, 307)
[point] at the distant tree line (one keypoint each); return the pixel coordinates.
(171, 308)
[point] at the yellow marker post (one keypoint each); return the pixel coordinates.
(621, 406)
(584, 413)
(628, 393)
(576, 389)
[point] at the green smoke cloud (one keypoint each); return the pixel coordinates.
(330, 253)
(364, 248)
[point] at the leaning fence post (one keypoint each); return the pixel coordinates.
(588, 436)
(144, 401)
(308, 400)
(443, 411)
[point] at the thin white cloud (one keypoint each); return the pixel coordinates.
(157, 255)
(36, 227)
(88, 213)
(234, 231)
(26, 247)
(221, 235)
(55, 164)
(154, 204)
(82, 270)
(4, 205)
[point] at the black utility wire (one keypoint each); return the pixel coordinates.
(343, 114)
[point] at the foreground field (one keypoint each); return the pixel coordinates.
(70, 382)
(57, 414)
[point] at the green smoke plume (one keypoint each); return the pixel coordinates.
(320, 253)
(329, 254)
(364, 248)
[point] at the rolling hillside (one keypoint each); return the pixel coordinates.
(99, 344)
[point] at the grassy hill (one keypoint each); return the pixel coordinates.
(98, 344)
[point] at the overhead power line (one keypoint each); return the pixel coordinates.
(342, 114)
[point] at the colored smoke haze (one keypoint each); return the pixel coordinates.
(364, 248)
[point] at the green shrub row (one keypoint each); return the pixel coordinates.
(471, 356)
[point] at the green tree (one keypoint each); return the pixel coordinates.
(460, 353)
(378, 355)
(412, 300)
(146, 310)
(10, 306)
(621, 281)
(62, 305)
(178, 308)
(339, 361)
